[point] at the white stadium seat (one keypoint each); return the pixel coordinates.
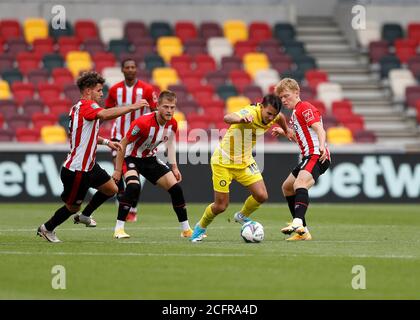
(111, 29)
(219, 47)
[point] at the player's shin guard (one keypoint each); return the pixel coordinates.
(250, 206)
(97, 199)
(301, 203)
(178, 202)
(58, 218)
(130, 195)
(207, 217)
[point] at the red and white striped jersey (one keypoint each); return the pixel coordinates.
(122, 95)
(145, 135)
(305, 115)
(84, 129)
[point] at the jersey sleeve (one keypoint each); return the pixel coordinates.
(110, 101)
(134, 132)
(91, 110)
(310, 114)
(151, 97)
(247, 111)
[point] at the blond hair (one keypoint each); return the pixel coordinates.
(286, 83)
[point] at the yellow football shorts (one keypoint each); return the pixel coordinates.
(223, 176)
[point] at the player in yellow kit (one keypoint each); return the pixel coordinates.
(233, 160)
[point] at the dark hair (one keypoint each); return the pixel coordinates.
(272, 100)
(166, 94)
(89, 80)
(128, 59)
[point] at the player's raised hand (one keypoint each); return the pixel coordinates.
(113, 145)
(247, 119)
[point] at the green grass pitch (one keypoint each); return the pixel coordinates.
(155, 263)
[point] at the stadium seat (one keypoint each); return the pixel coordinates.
(253, 93)
(405, 49)
(364, 136)
(216, 78)
(32, 106)
(294, 49)
(5, 92)
(392, 32)
(180, 91)
(16, 45)
(60, 106)
(353, 123)
(195, 46)
(284, 32)
(53, 134)
(399, 80)
(329, 92)
(56, 33)
(212, 104)
(112, 75)
(228, 64)
(52, 61)
(240, 79)
(202, 92)
(209, 29)
(315, 77)
(72, 92)
(43, 46)
(22, 91)
(6, 135)
(366, 36)
(160, 29)
(18, 121)
(319, 105)
(339, 135)
(412, 94)
(35, 28)
(182, 63)
(111, 29)
(103, 60)
(117, 47)
(266, 78)
(93, 46)
(260, 31)
(62, 77)
(164, 77)
(8, 108)
(85, 29)
(219, 47)
(413, 31)
(244, 46)
(28, 61)
(185, 30)
(226, 91)
(144, 75)
(40, 120)
(342, 107)
(78, 61)
(306, 92)
(254, 62)
(10, 29)
(153, 61)
(189, 106)
(134, 30)
(6, 62)
(388, 63)
(143, 46)
(12, 76)
(27, 135)
(1, 120)
(235, 30)
(50, 91)
(377, 50)
(234, 104)
(305, 63)
(38, 76)
(168, 47)
(204, 63)
(67, 44)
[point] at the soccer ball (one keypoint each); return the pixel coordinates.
(252, 231)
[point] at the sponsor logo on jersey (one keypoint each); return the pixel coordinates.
(95, 106)
(308, 115)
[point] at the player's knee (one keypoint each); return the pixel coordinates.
(131, 193)
(287, 188)
(111, 190)
(220, 206)
(177, 195)
(261, 196)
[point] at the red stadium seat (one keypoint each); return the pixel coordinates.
(1, 120)
(6, 62)
(190, 80)
(231, 63)
(364, 136)
(16, 45)
(212, 104)
(204, 63)
(260, 31)
(418, 110)
(67, 44)
(144, 46)
(85, 29)
(10, 29)
(209, 29)
(353, 122)
(22, 91)
(38, 76)
(43, 46)
(377, 50)
(188, 107)
(135, 30)
(28, 61)
(245, 46)
(18, 121)
(414, 31)
(62, 77)
(202, 92)
(49, 92)
(8, 108)
(104, 60)
(31, 107)
(182, 63)
(405, 49)
(253, 93)
(185, 30)
(195, 46)
(307, 93)
(27, 135)
(319, 105)
(181, 92)
(315, 77)
(217, 78)
(93, 46)
(40, 120)
(6, 135)
(240, 79)
(412, 94)
(60, 106)
(343, 106)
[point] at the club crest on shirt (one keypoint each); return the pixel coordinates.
(243, 112)
(308, 115)
(95, 106)
(135, 130)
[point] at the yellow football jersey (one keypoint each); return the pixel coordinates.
(235, 149)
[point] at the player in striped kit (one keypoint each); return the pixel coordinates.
(138, 156)
(125, 93)
(80, 170)
(315, 156)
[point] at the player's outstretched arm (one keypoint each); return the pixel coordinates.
(119, 160)
(112, 113)
(233, 118)
(285, 130)
(113, 145)
(319, 130)
(172, 158)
